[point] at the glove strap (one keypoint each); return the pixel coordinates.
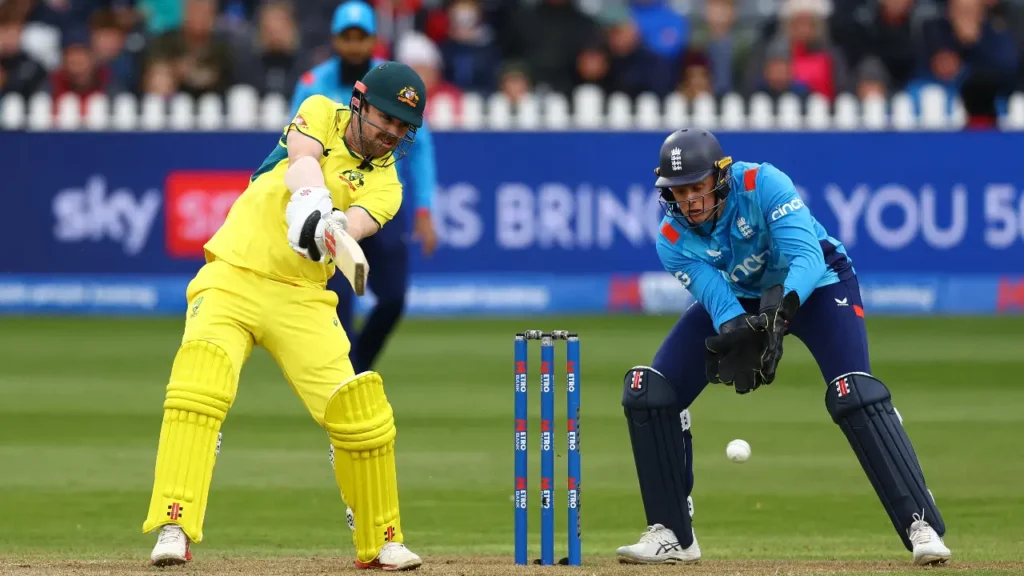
(778, 307)
(307, 237)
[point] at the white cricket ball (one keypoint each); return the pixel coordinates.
(738, 450)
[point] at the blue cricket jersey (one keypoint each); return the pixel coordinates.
(417, 171)
(764, 236)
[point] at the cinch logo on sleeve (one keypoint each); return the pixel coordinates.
(197, 204)
(782, 210)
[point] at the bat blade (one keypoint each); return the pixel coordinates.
(349, 258)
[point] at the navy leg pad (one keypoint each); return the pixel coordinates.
(661, 449)
(861, 406)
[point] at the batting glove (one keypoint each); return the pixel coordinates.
(312, 222)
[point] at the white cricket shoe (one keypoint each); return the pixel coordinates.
(928, 546)
(392, 558)
(659, 545)
(171, 547)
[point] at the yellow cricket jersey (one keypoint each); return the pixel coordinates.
(254, 234)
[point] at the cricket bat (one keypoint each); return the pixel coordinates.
(347, 256)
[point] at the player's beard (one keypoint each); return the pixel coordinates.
(380, 145)
(384, 144)
(376, 147)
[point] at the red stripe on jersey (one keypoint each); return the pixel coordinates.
(858, 311)
(750, 179)
(669, 232)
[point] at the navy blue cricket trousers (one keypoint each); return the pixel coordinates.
(387, 253)
(830, 324)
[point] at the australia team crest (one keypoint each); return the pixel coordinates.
(409, 96)
(353, 178)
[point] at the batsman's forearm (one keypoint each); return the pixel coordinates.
(360, 223)
(304, 172)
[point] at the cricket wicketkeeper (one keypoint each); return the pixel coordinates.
(740, 239)
(264, 283)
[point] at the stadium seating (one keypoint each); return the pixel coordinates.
(243, 109)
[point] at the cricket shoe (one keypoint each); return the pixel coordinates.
(171, 547)
(928, 545)
(392, 558)
(659, 545)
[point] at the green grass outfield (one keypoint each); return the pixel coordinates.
(80, 409)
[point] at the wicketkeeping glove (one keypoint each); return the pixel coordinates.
(734, 356)
(773, 320)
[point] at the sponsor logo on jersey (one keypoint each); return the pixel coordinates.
(784, 209)
(749, 265)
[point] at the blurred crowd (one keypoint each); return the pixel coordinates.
(517, 46)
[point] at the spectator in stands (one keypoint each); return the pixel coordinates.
(635, 69)
(395, 18)
(665, 32)
(777, 78)
(108, 44)
(159, 78)
(814, 61)
(592, 65)
(725, 43)
(514, 82)
(872, 79)
(548, 37)
(203, 59)
(697, 75)
(19, 73)
(470, 56)
(161, 16)
(967, 30)
(79, 73)
(422, 55)
(946, 70)
(888, 30)
(275, 63)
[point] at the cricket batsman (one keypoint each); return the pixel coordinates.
(738, 236)
(264, 283)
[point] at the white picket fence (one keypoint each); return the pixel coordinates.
(243, 109)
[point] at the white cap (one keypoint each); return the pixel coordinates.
(416, 49)
(820, 8)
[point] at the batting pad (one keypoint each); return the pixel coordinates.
(200, 392)
(361, 425)
(659, 432)
(861, 406)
